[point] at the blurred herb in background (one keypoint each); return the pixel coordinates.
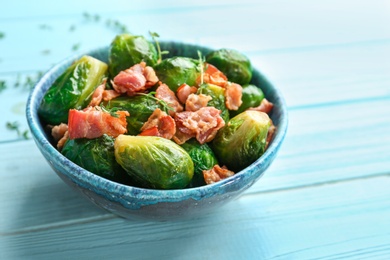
(14, 126)
(3, 85)
(26, 82)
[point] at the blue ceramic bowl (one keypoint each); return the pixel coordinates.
(130, 202)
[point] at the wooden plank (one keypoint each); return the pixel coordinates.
(327, 221)
(324, 144)
(210, 25)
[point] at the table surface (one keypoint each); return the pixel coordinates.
(327, 194)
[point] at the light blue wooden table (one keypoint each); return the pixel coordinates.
(326, 196)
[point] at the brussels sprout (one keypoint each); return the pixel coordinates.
(73, 89)
(95, 155)
(251, 97)
(242, 141)
(127, 50)
(154, 162)
(218, 98)
(140, 108)
(176, 71)
(236, 66)
(203, 158)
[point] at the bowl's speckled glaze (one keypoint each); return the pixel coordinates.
(130, 202)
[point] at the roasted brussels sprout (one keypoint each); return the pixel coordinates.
(127, 50)
(251, 97)
(176, 71)
(203, 159)
(73, 89)
(236, 66)
(140, 108)
(242, 141)
(154, 162)
(95, 155)
(218, 98)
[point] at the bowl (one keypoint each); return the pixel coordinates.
(134, 202)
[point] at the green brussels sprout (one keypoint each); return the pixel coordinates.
(140, 108)
(242, 141)
(73, 89)
(154, 162)
(218, 98)
(236, 66)
(177, 70)
(203, 158)
(127, 50)
(95, 155)
(251, 97)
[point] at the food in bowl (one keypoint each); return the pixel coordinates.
(174, 123)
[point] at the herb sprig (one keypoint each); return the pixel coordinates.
(14, 126)
(160, 53)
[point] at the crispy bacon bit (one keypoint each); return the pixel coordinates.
(159, 124)
(98, 94)
(265, 106)
(164, 93)
(59, 131)
(180, 137)
(136, 79)
(213, 76)
(184, 91)
(271, 132)
(216, 174)
(110, 94)
(150, 76)
(195, 102)
(202, 124)
(62, 141)
(233, 95)
(153, 131)
(93, 122)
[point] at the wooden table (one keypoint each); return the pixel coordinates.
(326, 196)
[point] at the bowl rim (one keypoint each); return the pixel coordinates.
(90, 180)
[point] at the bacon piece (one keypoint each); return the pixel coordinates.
(97, 95)
(136, 79)
(180, 137)
(62, 141)
(195, 102)
(160, 121)
(93, 122)
(265, 106)
(202, 124)
(59, 131)
(110, 94)
(153, 131)
(213, 75)
(233, 95)
(216, 174)
(164, 93)
(150, 76)
(184, 91)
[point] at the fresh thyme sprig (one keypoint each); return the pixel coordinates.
(112, 111)
(163, 103)
(14, 126)
(160, 53)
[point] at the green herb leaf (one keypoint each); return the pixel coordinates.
(2, 35)
(3, 85)
(14, 126)
(154, 36)
(76, 46)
